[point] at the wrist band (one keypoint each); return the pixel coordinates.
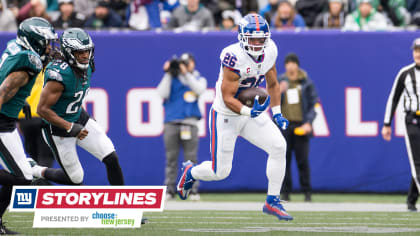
(71, 127)
(276, 109)
(246, 111)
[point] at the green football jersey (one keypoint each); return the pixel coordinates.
(16, 58)
(69, 105)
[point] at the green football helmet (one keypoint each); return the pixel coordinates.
(76, 39)
(36, 34)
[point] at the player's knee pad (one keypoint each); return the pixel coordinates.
(76, 176)
(111, 160)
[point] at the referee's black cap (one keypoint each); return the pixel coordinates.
(416, 43)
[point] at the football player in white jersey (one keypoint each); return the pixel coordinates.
(244, 65)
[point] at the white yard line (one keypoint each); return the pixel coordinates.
(293, 206)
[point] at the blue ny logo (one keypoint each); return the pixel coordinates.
(24, 198)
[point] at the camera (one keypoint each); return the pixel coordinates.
(174, 66)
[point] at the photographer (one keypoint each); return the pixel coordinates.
(180, 88)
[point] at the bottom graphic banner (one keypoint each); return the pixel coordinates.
(127, 218)
(87, 206)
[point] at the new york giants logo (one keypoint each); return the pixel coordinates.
(24, 198)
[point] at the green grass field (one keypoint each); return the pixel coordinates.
(255, 222)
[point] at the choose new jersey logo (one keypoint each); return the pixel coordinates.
(24, 198)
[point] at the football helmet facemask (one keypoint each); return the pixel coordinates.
(253, 34)
(76, 40)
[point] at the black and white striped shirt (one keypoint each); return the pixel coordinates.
(407, 84)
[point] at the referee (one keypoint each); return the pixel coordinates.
(407, 85)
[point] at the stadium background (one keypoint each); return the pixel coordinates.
(129, 66)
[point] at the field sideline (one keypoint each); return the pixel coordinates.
(240, 214)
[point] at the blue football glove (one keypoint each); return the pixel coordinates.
(280, 121)
(258, 108)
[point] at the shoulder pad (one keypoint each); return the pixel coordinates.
(35, 60)
(53, 74)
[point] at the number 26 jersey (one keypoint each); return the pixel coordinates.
(250, 70)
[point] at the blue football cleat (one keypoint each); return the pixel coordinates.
(186, 181)
(273, 207)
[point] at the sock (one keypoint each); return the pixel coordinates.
(58, 176)
(271, 198)
(37, 171)
(113, 169)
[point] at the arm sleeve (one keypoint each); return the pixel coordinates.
(164, 87)
(197, 83)
(394, 97)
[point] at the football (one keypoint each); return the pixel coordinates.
(247, 96)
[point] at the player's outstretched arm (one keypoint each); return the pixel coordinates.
(11, 85)
(230, 85)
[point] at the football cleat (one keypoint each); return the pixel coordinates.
(186, 181)
(273, 207)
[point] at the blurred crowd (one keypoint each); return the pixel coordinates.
(199, 15)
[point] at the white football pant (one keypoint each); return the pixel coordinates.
(260, 131)
(12, 155)
(96, 143)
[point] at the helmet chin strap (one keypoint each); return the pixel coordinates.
(80, 65)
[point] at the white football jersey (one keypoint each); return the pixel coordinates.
(251, 72)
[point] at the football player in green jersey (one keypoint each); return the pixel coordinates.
(20, 63)
(66, 84)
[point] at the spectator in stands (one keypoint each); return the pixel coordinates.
(33, 8)
(333, 18)
(310, 9)
(68, 18)
(7, 19)
(365, 18)
(85, 7)
(103, 17)
(192, 17)
(395, 10)
(166, 8)
(213, 7)
(244, 6)
(52, 5)
(143, 15)
(413, 6)
(270, 10)
(180, 88)
(120, 7)
(298, 106)
(287, 17)
(230, 20)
